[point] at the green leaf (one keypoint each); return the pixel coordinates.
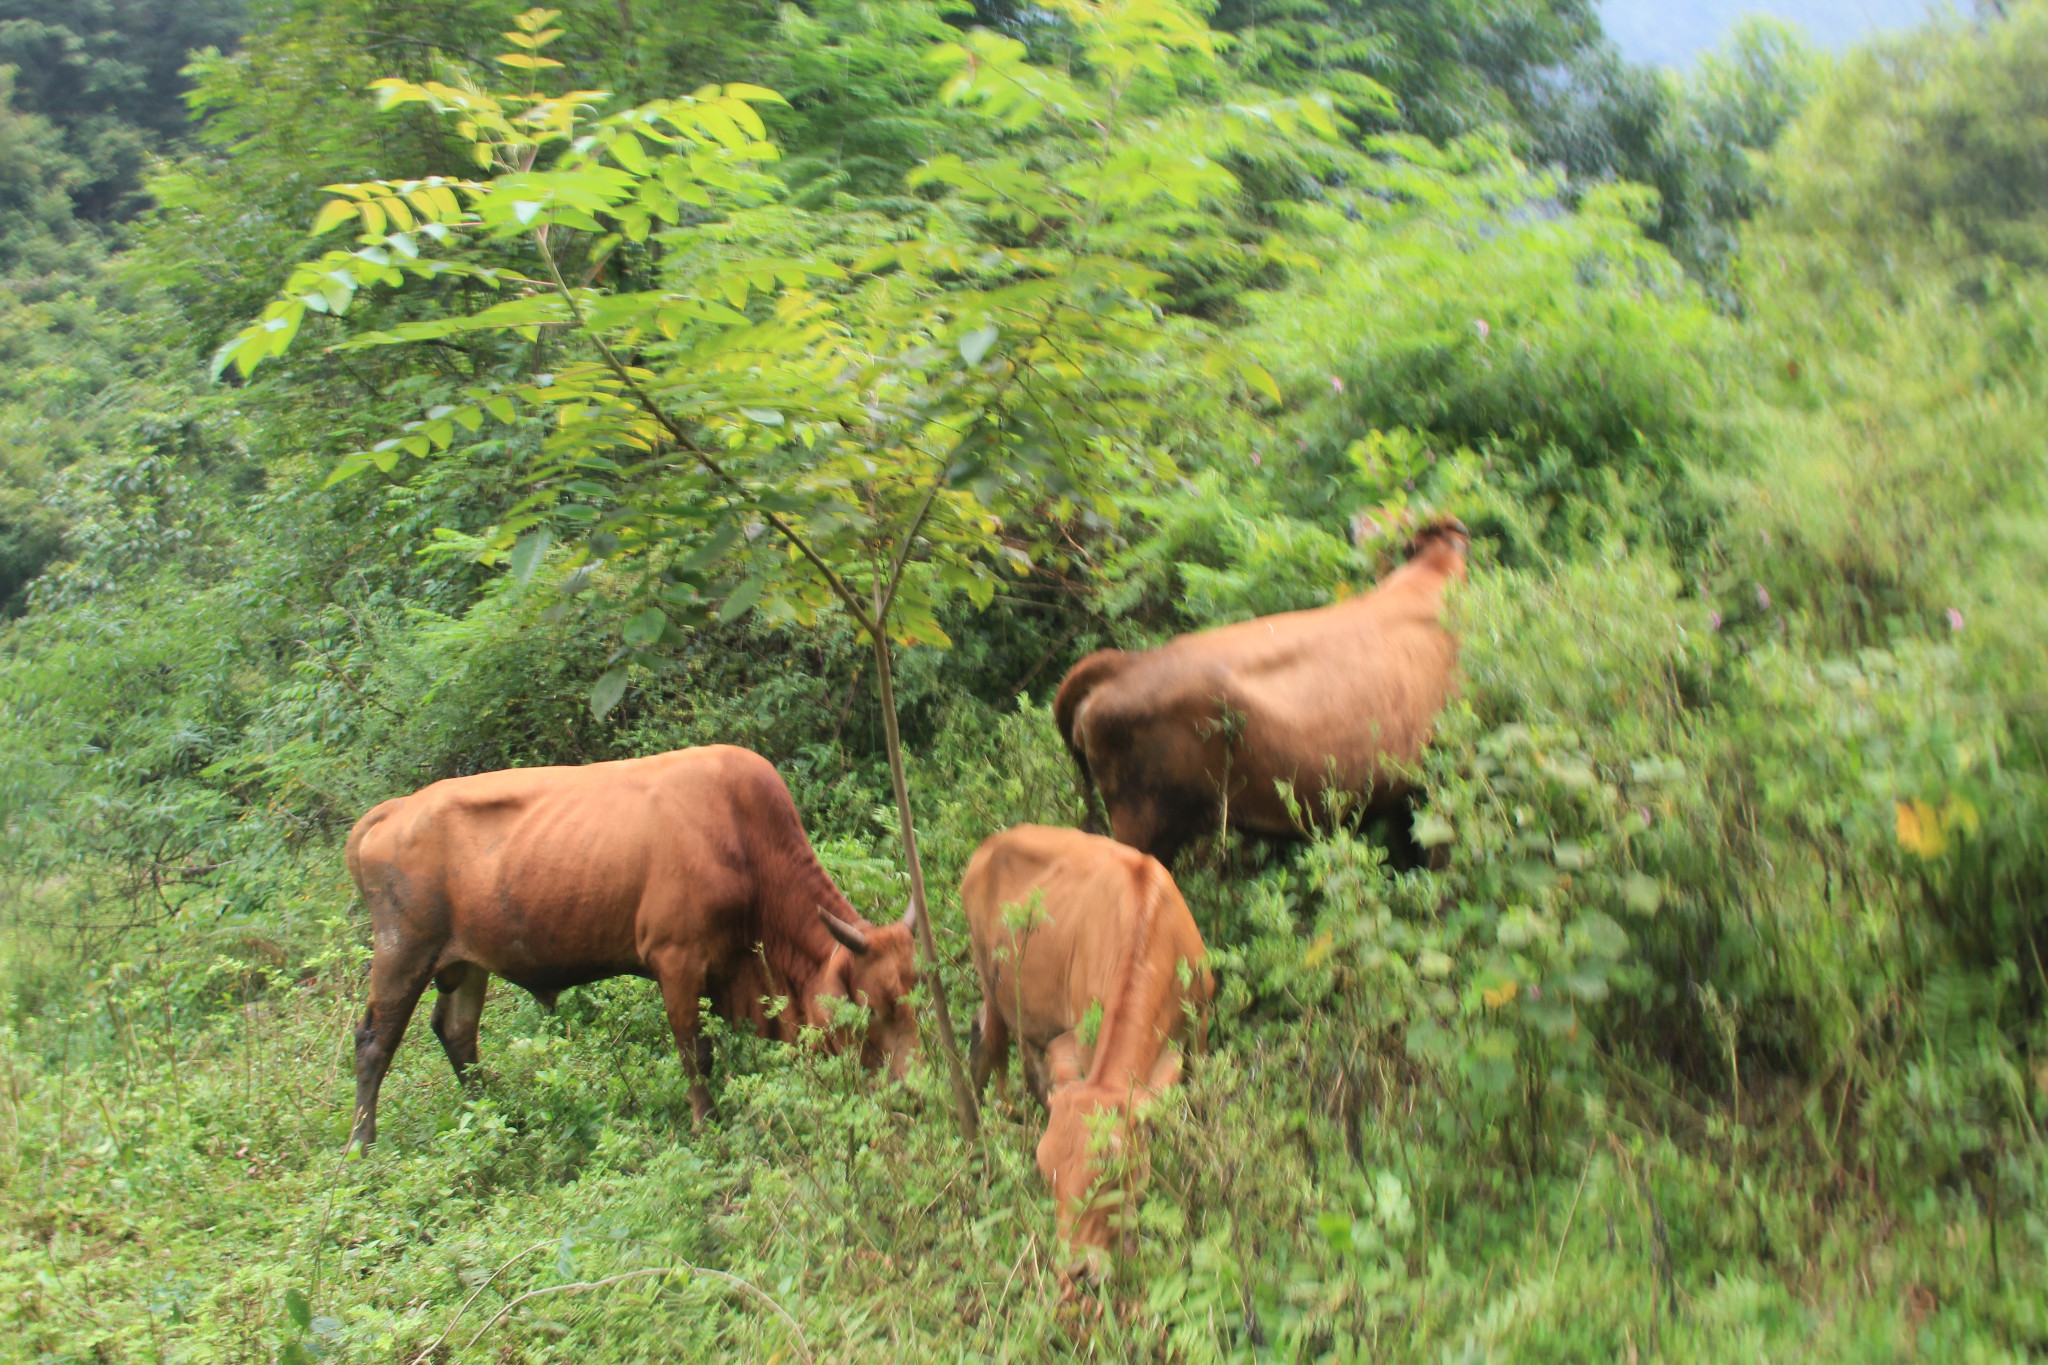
(300, 1310)
(628, 152)
(704, 556)
(1259, 378)
(1432, 829)
(1641, 894)
(606, 691)
(348, 469)
(333, 215)
(1586, 983)
(645, 628)
(976, 343)
(742, 597)
(528, 553)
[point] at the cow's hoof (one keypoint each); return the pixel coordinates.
(1082, 1275)
(702, 1110)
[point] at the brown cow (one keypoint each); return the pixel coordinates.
(691, 868)
(1334, 700)
(1065, 923)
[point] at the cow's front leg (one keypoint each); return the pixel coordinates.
(682, 982)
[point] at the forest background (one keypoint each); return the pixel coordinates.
(1716, 1028)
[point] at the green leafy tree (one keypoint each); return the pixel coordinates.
(1697, 140)
(870, 423)
(39, 234)
(1451, 66)
(108, 73)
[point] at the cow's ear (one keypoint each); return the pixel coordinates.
(1165, 1072)
(1066, 1061)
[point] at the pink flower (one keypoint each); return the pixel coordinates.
(1535, 992)
(1713, 620)
(1644, 811)
(1480, 328)
(1255, 460)
(1336, 384)
(1955, 619)
(1763, 598)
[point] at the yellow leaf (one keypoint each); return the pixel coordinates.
(523, 62)
(333, 215)
(1318, 950)
(1958, 814)
(740, 90)
(1920, 830)
(1496, 996)
(1259, 379)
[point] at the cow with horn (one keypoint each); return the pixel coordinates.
(689, 868)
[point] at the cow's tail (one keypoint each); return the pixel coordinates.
(1082, 679)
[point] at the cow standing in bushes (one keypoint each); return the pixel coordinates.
(691, 868)
(1068, 929)
(1323, 704)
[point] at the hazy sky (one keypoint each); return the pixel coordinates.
(1675, 31)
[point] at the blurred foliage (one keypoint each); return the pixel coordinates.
(107, 75)
(1714, 1027)
(1452, 66)
(1695, 138)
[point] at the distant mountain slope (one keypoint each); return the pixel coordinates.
(1673, 32)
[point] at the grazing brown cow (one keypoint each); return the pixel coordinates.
(691, 868)
(1065, 925)
(1333, 700)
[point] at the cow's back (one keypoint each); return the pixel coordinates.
(1095, 909)
(1349, 690)
(550, 876)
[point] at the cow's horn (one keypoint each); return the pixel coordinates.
(910, 915)
(852, 935)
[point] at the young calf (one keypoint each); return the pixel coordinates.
(1071, 929)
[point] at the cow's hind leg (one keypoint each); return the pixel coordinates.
(1392, 823)
(682, 982)
(396, 981)
(988, 1047)
(456, 1015)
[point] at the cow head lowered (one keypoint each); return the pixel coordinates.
(1077, 1143)
(1107, 938)
(874, 966)
(1445, 542)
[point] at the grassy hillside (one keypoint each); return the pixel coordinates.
(1715, 1029)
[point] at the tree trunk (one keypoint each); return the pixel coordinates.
(967, 1110)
